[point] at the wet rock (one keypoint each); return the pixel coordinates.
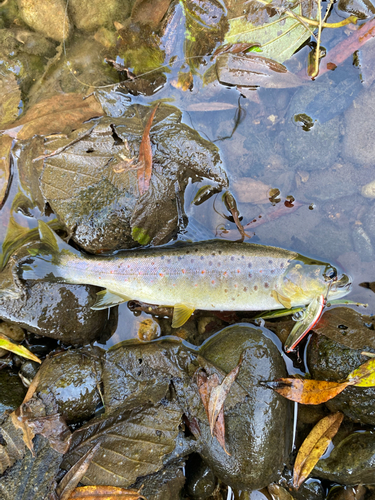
(32, 477)
(86, 58)
(339, 180)
(122, 218)
(312, 489)
(90, 15)
(62, 312)
(164, 485)
(329, 360)
(351, 462)
(369, 221)
(200, 480)
(48, 18)
(359, 129)
(300, 143)
(12, 391)
(71, 381)
(362, 244)
(368, 190)
(348, 327)
(257, 435)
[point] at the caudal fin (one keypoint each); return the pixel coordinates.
(45, 256)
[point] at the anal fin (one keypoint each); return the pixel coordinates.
(181, 314)
(284, 301)
(106, 298)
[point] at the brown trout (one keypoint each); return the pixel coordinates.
(214, 275)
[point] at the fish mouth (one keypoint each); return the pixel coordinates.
(343, 284)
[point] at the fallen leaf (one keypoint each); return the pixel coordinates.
(5, 147)
(105, 493)
(250, 190)
(55, 114)
(219, 394)
(133, 443)
(145, 156)
(364, 375)
(205, 385)
(306, 391)
(149, 12)
(231, 205)
(213, 395)
(6, 344)
(338, 54)
(72, 478)
(278, 34)
(10, 95)
(254, 70)
(278, 492)
(314, 446)
(27, 432)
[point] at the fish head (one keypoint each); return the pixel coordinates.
(306, 278)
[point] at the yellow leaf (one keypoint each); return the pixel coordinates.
(105, 493)
(307, 392)
(364, 376)
(314, 446)
(6, 344)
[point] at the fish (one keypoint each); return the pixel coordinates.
(213, 275)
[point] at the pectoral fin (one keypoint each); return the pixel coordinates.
(312, 315)
(284, 301)
(181, 314)
(106, 298)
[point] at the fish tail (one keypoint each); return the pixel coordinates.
(45, 258)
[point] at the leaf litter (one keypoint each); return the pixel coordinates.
(314, 446)
(314, 392)
(213, 395)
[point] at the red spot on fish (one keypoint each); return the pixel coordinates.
(238, 271)
(152, 263)
(100, 277)
(213, 282)
(235, 286)
(225, 273)
(196, 284)
(260, 270)
(183, 271)
(203, 271)
(161, 274)
(111, 272)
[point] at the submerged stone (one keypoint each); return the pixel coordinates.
(351, 462)
(258, 429)
(329, 360)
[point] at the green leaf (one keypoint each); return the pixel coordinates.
(279, 38)
(17, 349)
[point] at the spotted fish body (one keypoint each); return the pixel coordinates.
(213, 275)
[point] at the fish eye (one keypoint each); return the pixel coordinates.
(330, 274)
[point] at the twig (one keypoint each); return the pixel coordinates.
(317, 50)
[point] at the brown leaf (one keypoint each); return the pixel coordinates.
(314, 446)
(52, 427)
(252, 70)
(105, 493)
(307, 392)
(54, 115)
(145, 156)
(5, 147)
(213, 395)
(250, 190)
(218, 395)
(71, 479)
(27, 432)
(149, 12)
